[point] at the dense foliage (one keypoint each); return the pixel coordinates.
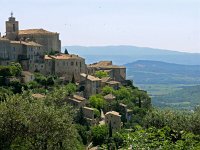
(153, 138)
(14, 69)
(28, 123)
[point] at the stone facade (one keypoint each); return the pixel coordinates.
(27, 76)
(4, 48)
(117, 73)
(28, 47)
(92, 85)
(12, 28)
(77, 101)
(65, 65)
(114, 118)
(49, 40)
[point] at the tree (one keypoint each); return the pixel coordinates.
(33, 85)
(80, 117)
(110, 129)
(71, 88)
(123, 93)
(4, 92)
(101, 74)
(29, 124)
(99, 134)
(97, 101)
(5, 71)
(73, 79)
(66, 51)
(50, 81)
(17, 86)
(16, 69)
(107, 90)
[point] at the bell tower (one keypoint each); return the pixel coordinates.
(12, 28)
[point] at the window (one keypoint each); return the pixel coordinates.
(13, 27)
(13, 48)
(72, 63)
(63, 63)
(76, 63)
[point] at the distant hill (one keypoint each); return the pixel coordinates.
(155, 72)
(186, 98)
(170, 85)
(127, 54)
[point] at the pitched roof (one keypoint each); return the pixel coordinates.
(105, 64)
(35, 31)
(62, 56)
(105, 79)
(27, 73)
(109, 97)
(79, 98)
(102, 63)
(113, 113)
(39, 96)
(88, 108)
(89, 77)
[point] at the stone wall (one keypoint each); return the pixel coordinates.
(4, 48)
(49, 41)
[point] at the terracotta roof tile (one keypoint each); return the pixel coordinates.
(62, 56)
(35, 31)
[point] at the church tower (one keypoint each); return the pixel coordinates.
(12, 28)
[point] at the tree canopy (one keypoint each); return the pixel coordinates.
(27, 123)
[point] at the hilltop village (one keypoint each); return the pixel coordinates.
(38, 50)
(54, 100)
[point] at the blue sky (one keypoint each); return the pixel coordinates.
(166, 24)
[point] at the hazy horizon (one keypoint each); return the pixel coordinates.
(172, 25)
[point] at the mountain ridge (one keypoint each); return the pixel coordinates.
(157, 72)
(126, 54)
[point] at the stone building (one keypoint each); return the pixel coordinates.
(49, 40)
(89, 115)
(110, 98)
(117, 73)
(113, 118)
(65, 65)
(114, 84)
(12, 28)
(27, 76)
(77, 101)
(28, 47)
(92, 85)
